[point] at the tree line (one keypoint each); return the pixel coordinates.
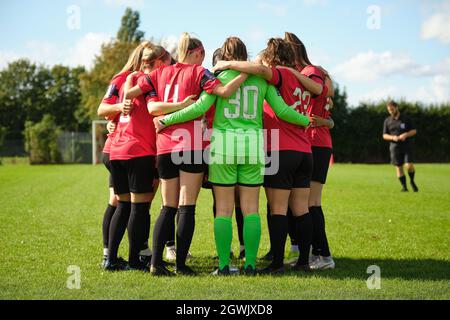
(37, 102)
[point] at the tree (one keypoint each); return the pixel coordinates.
(111, 60)
(128, 31)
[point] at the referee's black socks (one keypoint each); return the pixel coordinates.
(161, 232)
(137, 229)
(185, 232)
(403, 182)
(117, 228)
(304, 228)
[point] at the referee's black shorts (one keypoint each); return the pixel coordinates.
(170, 164)
(107, 163)
(321, 163)
(401, 154)
(294, 170)
(134, 175)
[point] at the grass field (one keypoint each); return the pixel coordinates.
(51, 216)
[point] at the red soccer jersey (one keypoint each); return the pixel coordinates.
(114, 96)
(135, 135)
(173, 84)
(319, 136)
(291, 136)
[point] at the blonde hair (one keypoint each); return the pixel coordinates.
(135, 60)
(187, 45)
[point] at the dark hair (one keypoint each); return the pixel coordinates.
(300, 54)
(392, 103)
(217, 55)
(278, 53)
(234, 49)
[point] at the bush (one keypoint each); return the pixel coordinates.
(41, 141)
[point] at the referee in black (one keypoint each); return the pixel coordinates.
(398, 129)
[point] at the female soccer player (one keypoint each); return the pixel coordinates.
(133, 150)
(289, 186)
(110, 107)
(237, 152)
(319, 133)
(180, 148)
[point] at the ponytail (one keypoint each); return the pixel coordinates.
(188, 45)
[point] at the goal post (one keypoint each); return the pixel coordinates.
(98, 139)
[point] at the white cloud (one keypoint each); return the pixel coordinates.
(82, 53)
(170, 43)
(437, 26)
(371, 66)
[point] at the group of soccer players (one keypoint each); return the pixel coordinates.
(250, 124)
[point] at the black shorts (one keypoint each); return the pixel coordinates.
(400, 154)
(321, 163)
(170, 164)
(107, 163)
(135, 175)
(294, 170)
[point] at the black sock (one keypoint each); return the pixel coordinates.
(240, 224)
(269, 226)
(291, 227)
(323, 241)
(304, 228)
(403, 181)
(136, 230)
(171, 235)
(279, 235)
(411, 176)
(117, 228)
(316, 226)
(147, 229)
(185, 232)
(109, 213)
(160, 233)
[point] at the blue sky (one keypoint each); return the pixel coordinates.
(374, 48)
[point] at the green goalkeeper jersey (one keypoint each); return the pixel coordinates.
(240, 116)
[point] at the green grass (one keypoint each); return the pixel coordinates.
(51, 217)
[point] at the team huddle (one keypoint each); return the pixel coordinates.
(176, 125)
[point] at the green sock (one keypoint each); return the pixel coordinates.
(223, 234)
(252, 236)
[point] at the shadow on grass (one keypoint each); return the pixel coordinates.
(347, 268)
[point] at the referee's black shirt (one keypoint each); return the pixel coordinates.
(396, 127)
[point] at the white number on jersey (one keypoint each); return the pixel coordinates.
(249, 112)
(167, 91)
(304, 99)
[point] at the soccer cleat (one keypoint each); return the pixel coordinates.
(116, 265)
(301, 268)
(234, 270)
(222, 272)
(414, 186)
(138, 267)
(185, 271)
(404, 190)
(313, 258)
(272, 270)
(323, 263)
(292, 257)
(146, 260)
(171, 253)
(268, 256)
(103, 264)
(250, 271)
(158, 271)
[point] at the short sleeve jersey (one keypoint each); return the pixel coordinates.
(135, 135)
(319, 136)
(114, 95)
(173, 84)
(290, 136)
(397, 127)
